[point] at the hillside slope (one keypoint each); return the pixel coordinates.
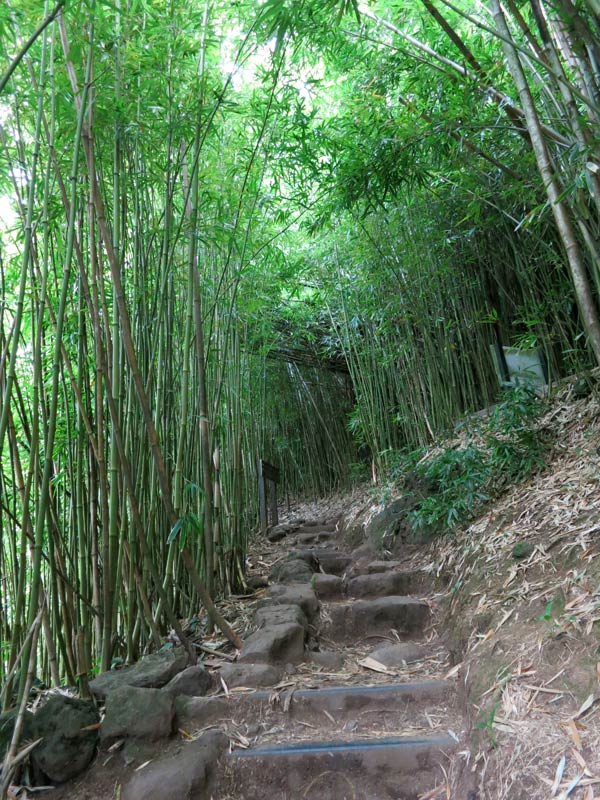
(522, 611)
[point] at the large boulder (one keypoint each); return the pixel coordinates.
(138, 713)
(183, 776)
(277, 644)
(151, 672)
(193, 681)
(69, 733)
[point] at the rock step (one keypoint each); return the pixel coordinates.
(349, 621)
(316, 537)
(330, 561)
(379, 584)
(328, 586)
(328, 707)
(318, 525)
(366, 769)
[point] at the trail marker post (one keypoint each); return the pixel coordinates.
(268, 478)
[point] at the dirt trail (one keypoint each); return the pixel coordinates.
(365, 714)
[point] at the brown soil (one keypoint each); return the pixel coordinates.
(524, 633)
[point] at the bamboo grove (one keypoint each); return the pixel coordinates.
(288, 230)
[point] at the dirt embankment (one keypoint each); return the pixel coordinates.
(522, 618)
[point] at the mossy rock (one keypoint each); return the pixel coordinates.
(7, 726)
(522, 550)
(582, 388)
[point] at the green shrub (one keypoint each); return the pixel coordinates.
(495, 453)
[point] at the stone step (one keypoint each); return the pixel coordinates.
(327, 587)
(380, 707)
(320, 525)
(278, 643)
(382, 566)
(381, 584)
(365, 769)
(317, 537)
(330, 561)
(351, 620)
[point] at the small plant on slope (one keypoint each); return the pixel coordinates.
(502, 451)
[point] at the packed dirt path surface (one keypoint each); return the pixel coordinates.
(362, 711)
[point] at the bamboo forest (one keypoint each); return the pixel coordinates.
(294, 232)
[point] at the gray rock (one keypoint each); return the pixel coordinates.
(392, 655)
(294, 571)
(66, 748)
(280, 615)
(388, 522)
(277, 644)
(329, 659)
(300, 594)
(151, 672)
(253, 676)
(183, 776)
(193, 681)
(200, 711)
(279, 532)
(327, 586)
(137, 713)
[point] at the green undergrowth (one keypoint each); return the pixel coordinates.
(451, 483)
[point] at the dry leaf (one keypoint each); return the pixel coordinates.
(288, 700)
(574, 733)
(573, 785)
(558, 775)
(374, 665)
(587, 704)
(453, 671)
